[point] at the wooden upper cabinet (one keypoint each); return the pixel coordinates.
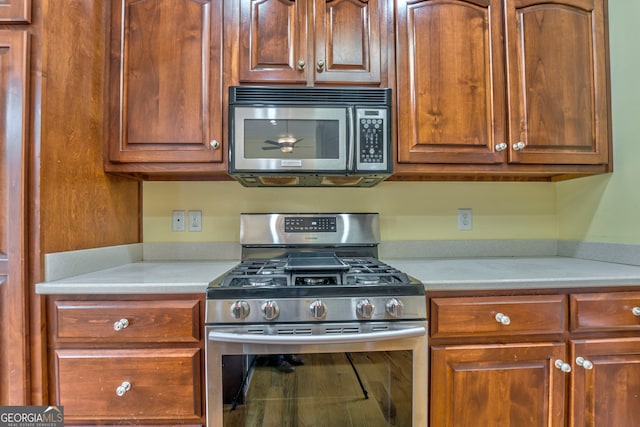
(307, 42)
(166, 88)
(450, 81)
(15, 11)
(557, 81)
(488, 82)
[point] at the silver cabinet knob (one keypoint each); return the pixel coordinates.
(585, 363)
(318, 309)
(270, 310)
(502, 146)
(123, 388)
(320, 65)
(394, 307)
(503, 319)
(562, 365)
(519, 145)
(240, 309)
(636, 311)
(215, 144)
(301, 64)
(120, 324)
(365, 309)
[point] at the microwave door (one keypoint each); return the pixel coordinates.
(289, 139)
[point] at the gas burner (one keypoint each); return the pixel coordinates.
(367, 280)
(261, 281)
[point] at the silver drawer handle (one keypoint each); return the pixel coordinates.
(585, 363)
(120, 324)
(563, 366)
(501, 147)
(214, 144)
(123, 388)
(636, 311)
(503, 319)
(519, 145)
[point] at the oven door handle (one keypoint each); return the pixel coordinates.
(411, 332)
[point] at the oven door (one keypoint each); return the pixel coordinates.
(286, 139)
(357, 374)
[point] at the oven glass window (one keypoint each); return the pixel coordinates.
(291, 139)
(370, 389)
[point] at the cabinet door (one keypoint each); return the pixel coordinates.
(451, 83)
(15, 11)
(606, 387)
(558, 95)
(497, 385)
(347, 41)
(166, 96)
(13, 145)
(273, 41)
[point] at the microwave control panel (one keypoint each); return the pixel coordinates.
(372, 139)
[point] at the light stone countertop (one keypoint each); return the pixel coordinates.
(437, 274)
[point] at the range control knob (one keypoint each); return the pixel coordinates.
(318, 309)
(240, 309)
(270, 310)
(394, 307)
(365, 309)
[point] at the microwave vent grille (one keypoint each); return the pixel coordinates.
(309, 96)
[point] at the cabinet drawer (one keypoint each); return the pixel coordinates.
(609, 311)
(122, 321)
(164, 384)
(497, 316)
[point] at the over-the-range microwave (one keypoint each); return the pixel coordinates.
(308, 136)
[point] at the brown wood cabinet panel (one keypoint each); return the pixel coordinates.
(485, 316)
(558, 81)
(15, 11)
(607, 393)
(14, 62)
(450, 81)
(618, 311)
(492, 385)
(165, 385)
(347, 41)
(124, 321)
(166, 93)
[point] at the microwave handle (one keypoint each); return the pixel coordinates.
(351, 137)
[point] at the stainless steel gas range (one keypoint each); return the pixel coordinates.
(312, 329)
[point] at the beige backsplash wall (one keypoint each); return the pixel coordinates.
(408, 210)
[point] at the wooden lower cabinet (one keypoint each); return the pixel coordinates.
(127, 359)
(532, 359)
(497, 385)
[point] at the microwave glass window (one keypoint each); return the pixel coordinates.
(291, 139)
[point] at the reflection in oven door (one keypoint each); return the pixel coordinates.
(377, 383)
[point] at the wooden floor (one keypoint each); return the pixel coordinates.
(324, 392)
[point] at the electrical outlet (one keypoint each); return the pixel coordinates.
(195, 220)
(177, 221)
(465, 219)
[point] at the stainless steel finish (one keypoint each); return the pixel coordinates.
(270, 310)
(123, 388)
(381, 114)
(318, 309)
(585, 363)
(394, 307)
(338, 309)
(563, 366)
(214, 144)
(519, 145)
(636, 311)
(351, 228)
(503, 319)
(240, 310)
(349, 337)
(120, 324)
(365, 309)
(501, 147)
(351, 136)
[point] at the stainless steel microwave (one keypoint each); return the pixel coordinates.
(307, 136)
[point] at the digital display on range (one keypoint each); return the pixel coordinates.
(296, 224)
